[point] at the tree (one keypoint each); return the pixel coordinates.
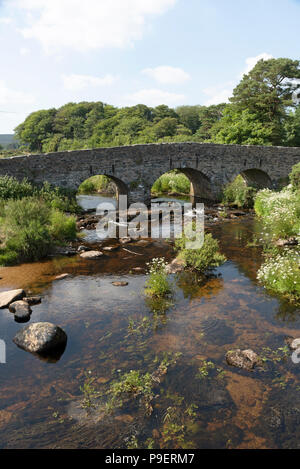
(292, 128)
(36, 128)
(266, 93)
(189, 117)
(242, 128)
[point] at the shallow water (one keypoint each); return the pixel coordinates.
(214, 407)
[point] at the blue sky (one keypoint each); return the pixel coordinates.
(126, 52)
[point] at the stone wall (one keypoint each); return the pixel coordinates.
(135, 168)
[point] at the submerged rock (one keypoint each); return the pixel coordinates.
(91, 255)
(41, 337)
(177, 265)
(120, 284)
(246, 359)
(21, 310)
(8, 297)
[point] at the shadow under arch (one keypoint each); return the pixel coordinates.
(257, 178)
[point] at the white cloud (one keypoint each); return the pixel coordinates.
(252, 61)
(167, 75)
(154, 97)
(218, 94)
(10, 97)
(221, 93)
(75, 82)
(88, 24)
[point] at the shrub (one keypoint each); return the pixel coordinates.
(29, 229)
(238, 193)
(202, 259)
(62, 228)
(295, 176)
(157, 284)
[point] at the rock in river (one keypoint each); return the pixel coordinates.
(246, 359)
(21, 310)
(91, 254)
(41, 337)
(120, 284)
(8, 297)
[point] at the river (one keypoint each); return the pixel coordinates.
(200, 402)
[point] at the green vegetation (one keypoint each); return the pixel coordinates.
(55, 197)
(280, 212)
(295, 176)
(32, 220)
(280, 215)
(30, 229)
(237, 193)
(170, 183)
(97, 184)
(157, 284)
(203, 259)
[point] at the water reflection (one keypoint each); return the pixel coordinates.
(114, 330)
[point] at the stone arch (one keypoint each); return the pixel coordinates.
(256, 178)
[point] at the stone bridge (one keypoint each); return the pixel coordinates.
(135, 168)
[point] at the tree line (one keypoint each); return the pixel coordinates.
(261, 112)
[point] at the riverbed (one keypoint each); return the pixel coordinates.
(200, 402)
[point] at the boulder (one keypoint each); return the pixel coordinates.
(91, 255)
(246, 359)
(40, 337)
(294, 344)
(21, 310)
(110, 248)
(82, 248)
(120, 284)
(8, 297)
(62, 276)
(32, 300)
(125, 240)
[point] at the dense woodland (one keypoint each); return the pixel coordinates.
(261, 112)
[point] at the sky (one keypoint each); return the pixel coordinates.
(127, 52)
